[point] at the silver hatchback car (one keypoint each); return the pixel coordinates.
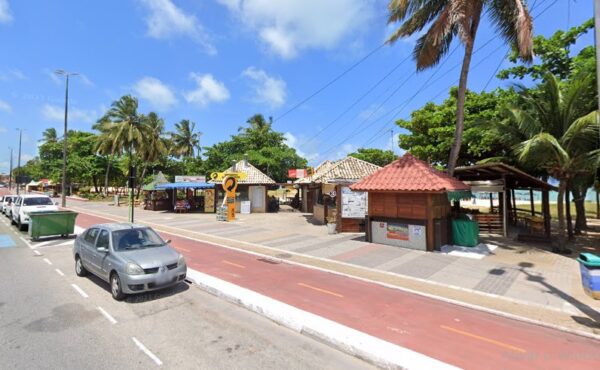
(132, 258)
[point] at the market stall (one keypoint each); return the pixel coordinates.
(190, 196)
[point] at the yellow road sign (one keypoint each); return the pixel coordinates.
(218, 176)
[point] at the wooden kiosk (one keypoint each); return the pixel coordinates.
(409, 204)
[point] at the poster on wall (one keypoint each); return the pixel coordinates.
(399, 234)
(397, 231)
(354, 203)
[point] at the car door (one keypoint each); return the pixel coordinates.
(88, 250)
(101, 259)
(15, 208)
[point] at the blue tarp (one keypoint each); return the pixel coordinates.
(184, 185)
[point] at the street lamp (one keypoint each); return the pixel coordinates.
(61, 72)
(10, 172)
(19, 159)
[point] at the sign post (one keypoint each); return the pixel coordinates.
(131, 186)
(230, 185)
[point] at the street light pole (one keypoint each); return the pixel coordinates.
(65, 135)
(10, 172)
(19, 159)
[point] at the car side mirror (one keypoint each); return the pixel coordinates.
(168, 241)
(102, 249)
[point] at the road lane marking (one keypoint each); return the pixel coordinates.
(320, 290)
(37, 245)
(37, 253)
(79, 290)
(107, 315)
(147, 351)
(182, 249)
(26, 242)
(47, 261)
(492, 341)
(233, 264)
(59, 272)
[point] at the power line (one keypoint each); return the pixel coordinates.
(331, 82)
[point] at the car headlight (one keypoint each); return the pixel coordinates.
(134, 269)
(181, 261)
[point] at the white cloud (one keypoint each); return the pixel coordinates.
(5, 107)
(293, 142)
(289, 26)
(57, 113)
(86, 80)
(345, 150)
(208, 90)
(165, 20)
(51, 75)
(157, 93)
(267, 89)
(5, 14)
(12, 74)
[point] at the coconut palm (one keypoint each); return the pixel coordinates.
(49, 136)
(562, 133)
(450, 18)
(154, 145)
(104, 146)
(185, 140)
(127, 131)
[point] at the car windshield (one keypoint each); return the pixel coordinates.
(136, 239)
(41, 201)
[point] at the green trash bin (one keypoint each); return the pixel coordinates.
(51, 223)
(465, 232)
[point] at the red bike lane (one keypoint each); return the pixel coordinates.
(453, 334)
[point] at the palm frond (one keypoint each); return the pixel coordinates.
(513, 20)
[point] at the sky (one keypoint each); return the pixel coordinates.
(218, 62)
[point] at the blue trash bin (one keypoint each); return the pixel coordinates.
(589, 264)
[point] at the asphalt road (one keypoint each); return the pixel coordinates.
(50, 318)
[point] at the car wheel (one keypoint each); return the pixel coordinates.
(115, 287)
(20, 225)
(79, 269)
(12, 221)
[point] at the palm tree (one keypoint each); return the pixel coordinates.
(127, 131)
(562, 133)
(449, 18)
(154, 145)
(185, 140)
(258, 124)
(49, 136)
(104, 146)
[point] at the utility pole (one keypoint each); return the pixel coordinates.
(63, 186)
(392, 141)
(19, 159)
(10, 172)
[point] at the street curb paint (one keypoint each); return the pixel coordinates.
(372, 349)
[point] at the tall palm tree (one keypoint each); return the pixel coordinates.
(258, 124)
(104, 146)
(154, 145)
(449, 18)
(185, 140)
(127, 131)
(49, 136)
(562, 133)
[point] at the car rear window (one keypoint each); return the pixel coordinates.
(39, 201)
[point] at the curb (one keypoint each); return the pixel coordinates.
(353, 342)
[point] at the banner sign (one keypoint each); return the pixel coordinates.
(190, 178)
(297, 173)
(218, 176)
(354, 203)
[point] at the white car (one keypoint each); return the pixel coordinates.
(6, 204)
(26, 204)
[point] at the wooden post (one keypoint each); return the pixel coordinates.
(338, 207)
(504, 208)
(531, 202)
(491, 203)
(597, 203)
(430, 228)
(546, 212)
(514, 206)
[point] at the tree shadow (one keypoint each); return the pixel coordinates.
(593, 317)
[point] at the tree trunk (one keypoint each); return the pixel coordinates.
(560, 204)
(106, 177)
(568, 214)
(140, 182)
(579, 193)
(462, 92)
(597, 203)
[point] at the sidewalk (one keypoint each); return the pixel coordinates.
(415, 331)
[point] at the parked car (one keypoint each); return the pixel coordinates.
(6, 204)
(131, 258)
(25, 204)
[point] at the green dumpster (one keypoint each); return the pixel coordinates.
(51, 223)
(465, 232)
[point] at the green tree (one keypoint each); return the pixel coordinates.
(431, 129)
(376, 156)
(553, 55)
(449, 18)
(185, 140)
(154, 146)
(562, 133)
(104, 147)
(49, 135)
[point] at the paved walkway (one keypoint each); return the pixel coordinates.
(513, 278)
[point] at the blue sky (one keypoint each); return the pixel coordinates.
(217, 62)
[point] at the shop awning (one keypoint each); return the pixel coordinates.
(184, 185)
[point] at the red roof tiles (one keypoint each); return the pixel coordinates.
(409, 174)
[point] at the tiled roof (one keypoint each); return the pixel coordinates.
(255, 176)
(324, 166)
(409, 174)
(347, 169)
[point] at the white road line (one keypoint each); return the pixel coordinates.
(59, 272)
(37, 253)
(79, 290)
(26, 242)
(37, 245)
(107, 315)
(47, 261)
(65, 243)
(146, 351)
